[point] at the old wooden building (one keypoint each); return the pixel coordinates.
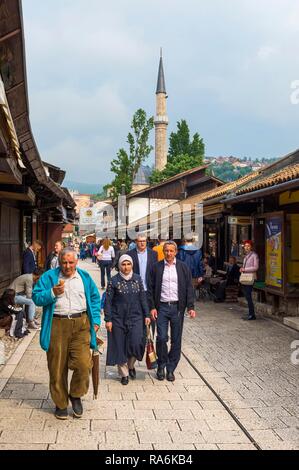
(32, 202)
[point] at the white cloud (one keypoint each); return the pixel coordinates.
(266, 52)
(74, 110)
(92, 64)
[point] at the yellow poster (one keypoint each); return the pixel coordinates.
(274, 252)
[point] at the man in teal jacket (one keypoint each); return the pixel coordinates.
(71, 318)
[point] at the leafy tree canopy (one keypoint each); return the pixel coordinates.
(127, 163)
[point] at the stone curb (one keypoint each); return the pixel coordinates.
(15, 359)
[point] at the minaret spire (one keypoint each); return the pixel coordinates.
(161, 87)
(161, 119)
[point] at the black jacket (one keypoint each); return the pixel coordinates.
(29, 262)
(49, 261)
(152, 258)
(186, 291)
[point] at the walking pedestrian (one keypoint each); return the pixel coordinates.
(106, 256)
(159, 249)
(191, 255)
(126, 316)
(123, 249)
(250, 268)
(170, 293)
(52, 261)
(71, 318)
(30, 257)
(143, 259)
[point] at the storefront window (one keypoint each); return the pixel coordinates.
(237, 235)
(292, 252)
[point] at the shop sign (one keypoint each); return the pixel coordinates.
(274, 251)
(88, 217)
(239, 220)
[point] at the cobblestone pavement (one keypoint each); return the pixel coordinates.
(247, 364)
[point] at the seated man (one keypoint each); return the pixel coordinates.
(232, 278)
(23, 286)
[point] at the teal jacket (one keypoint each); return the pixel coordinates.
(42, 297)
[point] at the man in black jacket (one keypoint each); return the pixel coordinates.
(143, 259)
(53, 258)
(170, 293)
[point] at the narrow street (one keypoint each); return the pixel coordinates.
(235, 388)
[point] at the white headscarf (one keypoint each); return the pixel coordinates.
(123, 258)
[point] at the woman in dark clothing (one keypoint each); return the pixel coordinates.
(126, 316)
(8, 309)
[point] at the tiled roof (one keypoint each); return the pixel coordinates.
(169, 180)
(288, 173)
(228, 187)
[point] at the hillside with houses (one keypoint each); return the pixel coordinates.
(230, 168)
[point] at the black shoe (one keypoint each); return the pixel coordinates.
(77, 407)
(160, 374)
(61, 414)
(124, 380)
(170, 376)
(132, 373)
(248, 318)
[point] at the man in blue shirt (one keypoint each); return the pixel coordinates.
(143, 258)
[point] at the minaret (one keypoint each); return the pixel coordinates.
(161, 120)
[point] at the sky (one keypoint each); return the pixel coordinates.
(229, 69)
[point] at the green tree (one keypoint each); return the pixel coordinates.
(179, 142)
(183, 153)
(127, 164)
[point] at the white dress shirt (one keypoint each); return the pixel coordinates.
(73, 300)
(170, 286)
(142, 258)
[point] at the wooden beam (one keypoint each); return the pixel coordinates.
(10, 35)
(15, 87)
(27, 195)
(9, 172)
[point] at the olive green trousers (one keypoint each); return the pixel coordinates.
(69, 349)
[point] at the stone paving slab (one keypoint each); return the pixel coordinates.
(255, 376)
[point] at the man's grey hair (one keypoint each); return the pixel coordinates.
(141, 235)
(189, 237)
(66, 251)
(171, 243)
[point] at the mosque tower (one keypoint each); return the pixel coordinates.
(161, 121)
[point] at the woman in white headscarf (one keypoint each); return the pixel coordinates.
(126, 316)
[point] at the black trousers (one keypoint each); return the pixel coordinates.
(169, 315)
(248, 294)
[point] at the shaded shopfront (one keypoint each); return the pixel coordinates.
(272, 203)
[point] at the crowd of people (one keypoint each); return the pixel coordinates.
(154, 286)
